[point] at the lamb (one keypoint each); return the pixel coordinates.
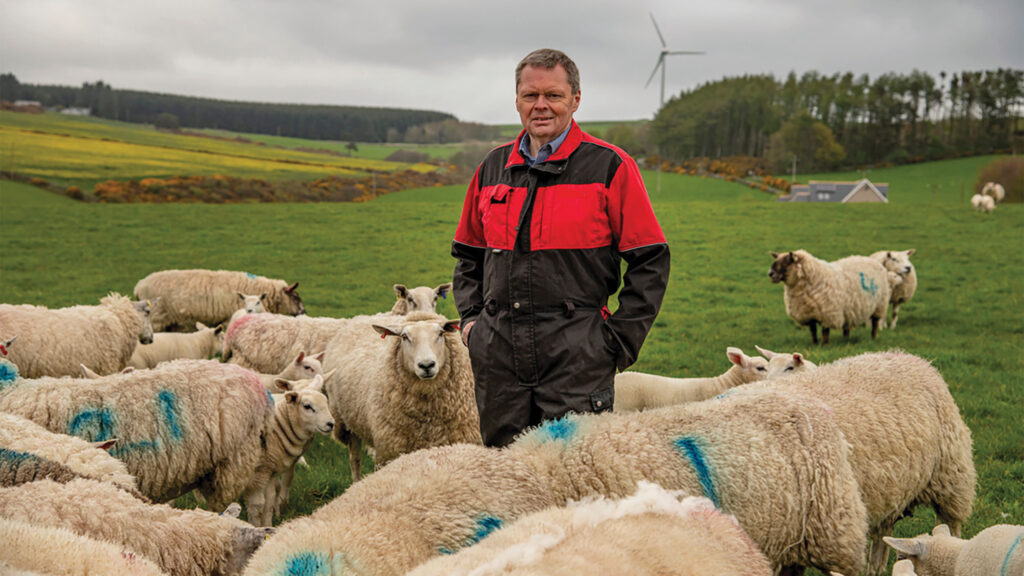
(21, 435)
(29, 550)
(693, 538)
(300, 416)
(302, 368)
(994, 190)
(778, 462)
(983, 203)
(909, 444)
(180, 542)
(166, 346)
(402, 387)
(421, 505)
(898, 262)
(420, 298)
(780, 365)
(186, 424)
(210, 296)
(844, 293)
(636, 391)
(251, 304)
(55, 342)
(994, 550)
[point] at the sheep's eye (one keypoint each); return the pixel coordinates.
(789, 368)
(761, 369)
(406, 337)
(309, 407)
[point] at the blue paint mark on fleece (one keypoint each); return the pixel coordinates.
(484, 526)
(169, 403)
(8, 373)
(250, 275)
(82, 425)
(689, 448)
(16, 458)
(562, 429)
(307, 564)
(868, 286)
(1006, 561)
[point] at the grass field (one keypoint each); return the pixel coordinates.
(967, 316)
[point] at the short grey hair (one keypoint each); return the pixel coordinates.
(549, 58)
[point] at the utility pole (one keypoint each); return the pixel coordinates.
(793, 178)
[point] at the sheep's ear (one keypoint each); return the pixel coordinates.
(328, 375)
(284, 385)
(906, 546)
(86, 373)
(128, 370)
(443, 290)
(774, 255)
(201, 326)
(320, 357)
(451, 326)
(317, 385)
(792, 257)
(298, 359)
(291, 397)
(264, 295)
(219, 328)
(401, 291)
(911, 252)
(941, 530)
(766, 353)
(291, 288)
(233, 510)
(888, 254)
(798, 359)
(241, 296)
(736, 356)
(384, 331)
(105, 444)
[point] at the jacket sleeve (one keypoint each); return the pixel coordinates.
(469, 249)
(641, 243)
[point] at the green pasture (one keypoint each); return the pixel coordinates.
(967, 316)
(366, 150)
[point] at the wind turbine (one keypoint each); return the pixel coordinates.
(661, 59)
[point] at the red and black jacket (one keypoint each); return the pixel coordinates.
(537, 246)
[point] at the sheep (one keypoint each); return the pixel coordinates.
(636, 391)
(690, 538)
(85, 459)
(420, 298)
(780, 365)
(266, 343)
(302, 368)
(211, 296)
(983, 203)
(55, 342)
(251, 304)
(183, 425)
(995, 550)
(180, 542)
(421, 505)
(994, 190)
(301, 415)
(778, 462)
(401, 387)
(844, 293)
(909, 444)
(33, 550)
(199, 345)
(898, 262)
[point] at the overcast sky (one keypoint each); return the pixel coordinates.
(458, 56)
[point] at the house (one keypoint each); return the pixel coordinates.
(72, 111)
(820, 191)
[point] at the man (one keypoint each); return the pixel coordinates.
(546, 220)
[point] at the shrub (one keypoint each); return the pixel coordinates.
(1006, 171)
(410, 156)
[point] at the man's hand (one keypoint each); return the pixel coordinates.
(465, 332)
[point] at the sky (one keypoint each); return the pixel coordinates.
(459, 56)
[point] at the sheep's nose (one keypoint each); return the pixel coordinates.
(427, 365)
(330, 425)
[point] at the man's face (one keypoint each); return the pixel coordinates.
(545, 103)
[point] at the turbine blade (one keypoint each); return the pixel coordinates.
(661, 62)
(658, 30)
(685, 52)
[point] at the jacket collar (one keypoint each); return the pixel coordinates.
(571, 143)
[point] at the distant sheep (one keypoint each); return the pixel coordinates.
(54, 342)
(840, 294)
(186, 424)
(898, 262)
(250, 304)
(180, 542)
(302, 368)
(780, 365)
(649, 533)
(30, 549)
(636, 391)
(210, 296)
(267, 343)
(995, 191)
(995, 550)
(419, 299)
(421, 505)
(402, 387)
(983, 203)
(202, 344)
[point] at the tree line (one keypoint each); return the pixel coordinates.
(844, 120)
(315, 122)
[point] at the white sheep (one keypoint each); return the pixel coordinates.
(183, 425)
(210, 296)
(298, 417)
(909, 444)
(180, 542)
(635, 391)
(421, 505)
(204, 343)
(419, 299)
(840, 294)
(649, 533)
(267, 343)
(780, 365)
(995, 191)
(55, 342)
(983, 203)
(401, 387)
(898, 262)
(778, 462)
(301, 368)
(85, 459)
(995, 550)
(251, 304)
(33, 550)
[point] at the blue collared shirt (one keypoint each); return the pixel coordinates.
(545, 150)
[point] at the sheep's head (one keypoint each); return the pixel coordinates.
(927, 552)
(306, 401)
(292, 303)
(245, 540)
(253, 303)
(899, 262)
(784, 364)
(303, 367)
(781, 266)
(423, 349)
(419, 299)
(144, 308)
(216, 337)
(753, 368)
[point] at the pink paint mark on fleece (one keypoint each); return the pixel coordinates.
(253, 381)
(233, 329)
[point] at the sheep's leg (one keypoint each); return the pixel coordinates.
(284, 486)
(846, 331)
(813, 325)
(355, 456)
(874, 326)
(895, 314)
(824, 335)
(790, 571)
(879, 556)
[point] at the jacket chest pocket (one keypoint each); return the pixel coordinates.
(494, 206)
(575, 217)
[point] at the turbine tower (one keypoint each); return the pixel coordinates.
(661, 59)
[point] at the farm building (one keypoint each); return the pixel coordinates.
(820, 191)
